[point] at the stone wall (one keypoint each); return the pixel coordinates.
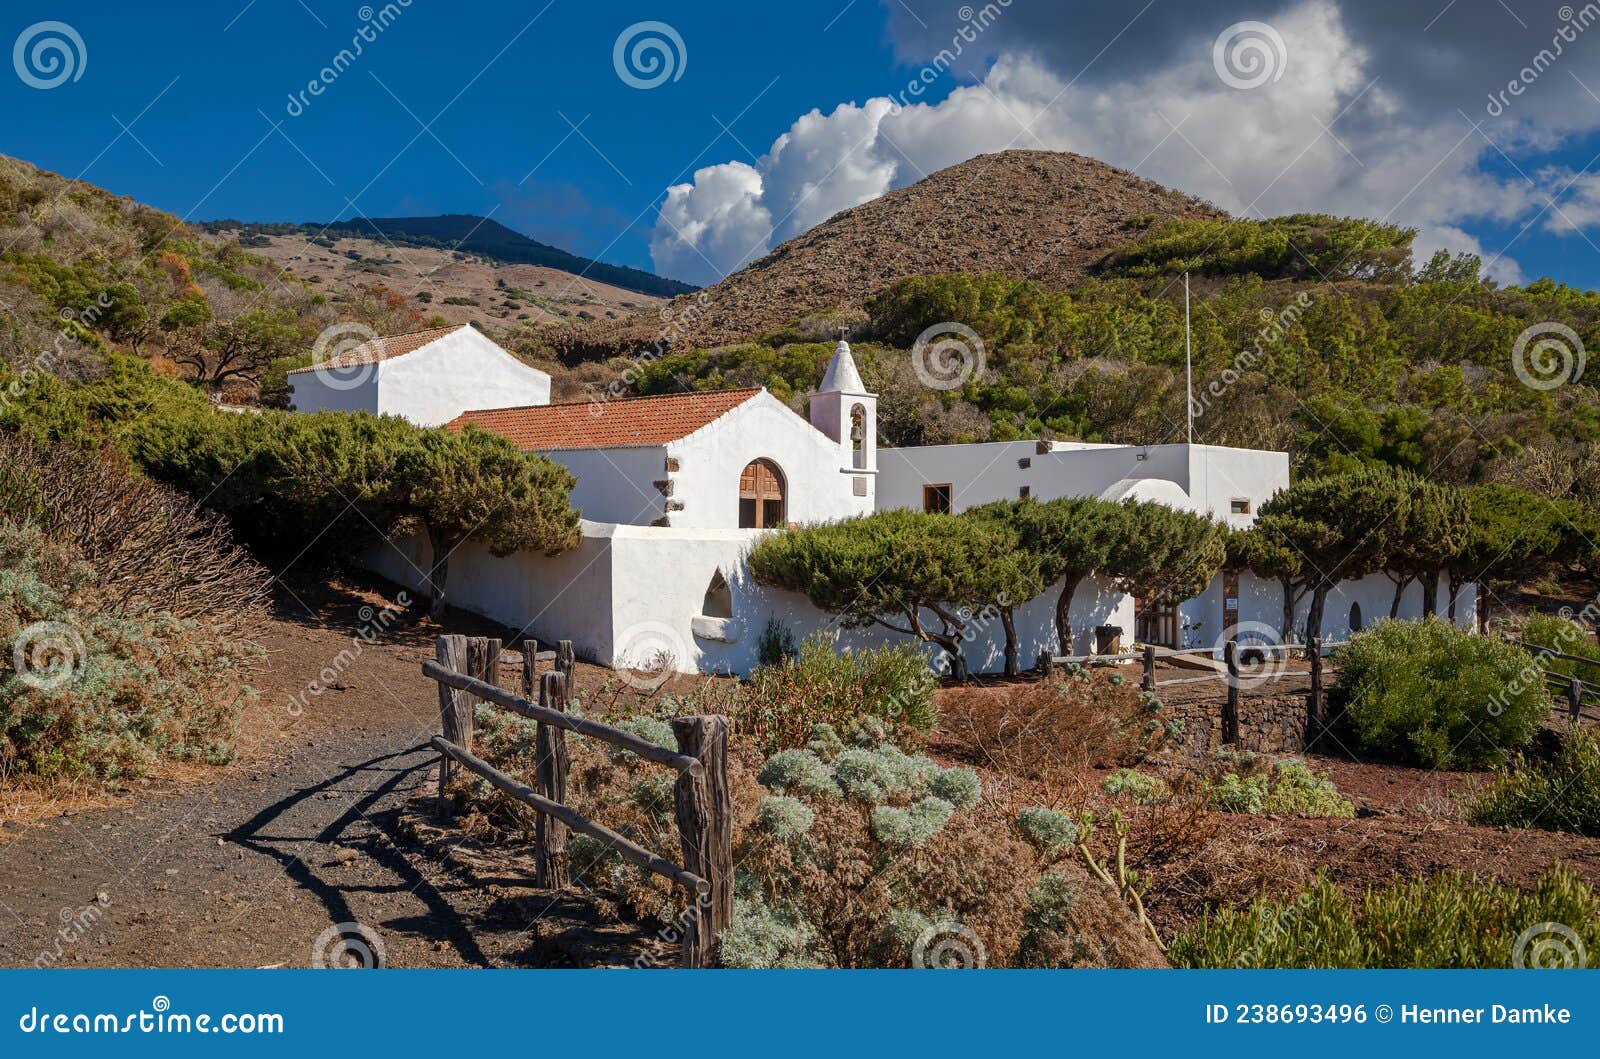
(1268, 723)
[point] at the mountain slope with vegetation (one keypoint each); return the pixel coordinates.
(1040, 215)
(467, 234)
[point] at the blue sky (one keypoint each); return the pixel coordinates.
(1379, 109)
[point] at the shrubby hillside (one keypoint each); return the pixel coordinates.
(1311, 334)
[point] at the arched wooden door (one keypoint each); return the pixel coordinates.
(761, 496)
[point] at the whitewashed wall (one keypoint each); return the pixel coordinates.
(463, 370)
(430, 386)
(309, 392)
(617, 484)
(1211, 476)
(710, 460)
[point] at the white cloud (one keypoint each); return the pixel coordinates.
(1327, 137)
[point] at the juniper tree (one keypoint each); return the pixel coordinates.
(891, 568)
(1343, 526)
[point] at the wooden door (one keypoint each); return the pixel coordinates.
(1230, 603)
(761, 501)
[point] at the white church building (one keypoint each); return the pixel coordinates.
(674, 491)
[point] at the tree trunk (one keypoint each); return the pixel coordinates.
(1319, 596)
(438, 572)
(1289, 600)
(1069, 587)
(1008, 621)
(1430, 593)
(1399, 592)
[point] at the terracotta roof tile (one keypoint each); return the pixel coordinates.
(605, 424)
(383, 348)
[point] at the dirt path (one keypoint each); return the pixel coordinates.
(250, 867)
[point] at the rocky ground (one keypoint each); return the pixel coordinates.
(255, 863)
(323, 825)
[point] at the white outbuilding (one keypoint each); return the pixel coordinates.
(428, 377)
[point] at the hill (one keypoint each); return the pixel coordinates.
(1039, 215)
(454, 286)
(466, 234)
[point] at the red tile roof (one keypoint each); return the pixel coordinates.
(383, 348)
(598, 424)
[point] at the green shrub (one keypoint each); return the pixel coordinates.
(1289, 787)
(1428, 693)
(760, 939)
(1569, 638)
(784, 818)
(783, 702)
(776, 645)
(1560, 795)
(104, 691)
(1135, 786)
(911, 827)
(1449, 920)
(799, 771)
(958, 786)
(1046, 829)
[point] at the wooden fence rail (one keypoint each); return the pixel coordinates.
(465, 671)
(1232, 673)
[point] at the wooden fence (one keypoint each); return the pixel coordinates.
(1569, 692)
(1232, 675)
(465, 670)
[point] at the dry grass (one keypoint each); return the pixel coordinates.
(1053, 730)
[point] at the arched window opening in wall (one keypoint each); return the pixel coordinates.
(719, 598)
(1355, 617)
(762, 504)
(858, 437)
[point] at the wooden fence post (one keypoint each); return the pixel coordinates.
(705, 829)
(1149, 682)
(565, 660)
(1314, 707)
(1046, 661)
(454, 709)
(1230, 709)
(550, 780)
(1574, 700)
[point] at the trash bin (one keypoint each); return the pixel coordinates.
(1108, 639)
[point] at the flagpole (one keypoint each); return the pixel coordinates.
(1188, 360)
